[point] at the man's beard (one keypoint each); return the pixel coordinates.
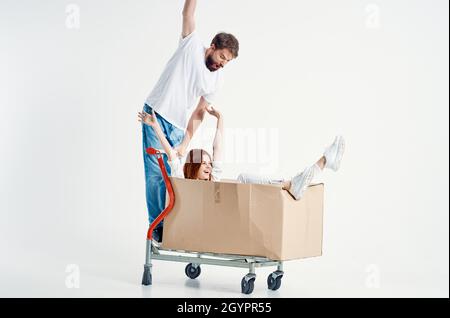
(210, 64)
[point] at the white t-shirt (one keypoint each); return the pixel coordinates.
(183, 81)
(176, 167)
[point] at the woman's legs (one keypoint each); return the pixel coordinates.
(297, 185)
(258, 179)
(317, 168)
(331, 159)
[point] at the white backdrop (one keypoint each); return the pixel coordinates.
(74, 74)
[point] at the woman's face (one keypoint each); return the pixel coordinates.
(205, 169)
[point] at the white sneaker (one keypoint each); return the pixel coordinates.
(333, 154)
(300, 182)
(155, 243)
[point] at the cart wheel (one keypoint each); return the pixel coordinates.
(274, 281)
(247, 285)
(191, 271)
(147, 277)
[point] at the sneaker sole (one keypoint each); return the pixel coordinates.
(340, 153)
(156, 244)
(308, 179)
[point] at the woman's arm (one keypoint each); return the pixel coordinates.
(194, 122)
(218, 138)
(151, 120)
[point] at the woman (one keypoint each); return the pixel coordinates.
(200, 165)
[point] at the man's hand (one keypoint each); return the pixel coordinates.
(188, 17)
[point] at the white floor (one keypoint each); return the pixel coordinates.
(36, 274)
(98, 250)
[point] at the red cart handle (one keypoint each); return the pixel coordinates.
(163, 214)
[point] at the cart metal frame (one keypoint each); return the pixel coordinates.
(195, 259)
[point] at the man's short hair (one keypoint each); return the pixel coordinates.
(226, 41)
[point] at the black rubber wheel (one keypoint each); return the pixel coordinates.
(247, 286)
(146, 277)
(192, 272)
(274, 283)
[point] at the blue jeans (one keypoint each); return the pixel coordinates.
(154, 182)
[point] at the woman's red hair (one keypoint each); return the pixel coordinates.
(193, 163)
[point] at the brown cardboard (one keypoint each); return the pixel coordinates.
(246, 219)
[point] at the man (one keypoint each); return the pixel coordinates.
(190, 77)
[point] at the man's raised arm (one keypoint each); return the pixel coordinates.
(188, 17)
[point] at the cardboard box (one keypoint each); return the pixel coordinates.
(246, 219)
